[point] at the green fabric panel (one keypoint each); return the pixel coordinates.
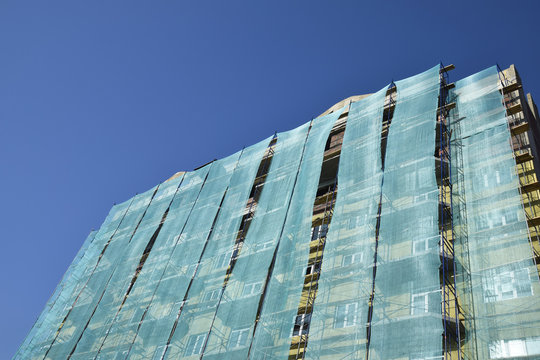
(168, 285)
(203, 295)
(90, 314)
(161, 266)
(272, 338)
(44, 331)
(407, 305)
(52, 320)
(88, 297)
(338, 323)
(106, 312)
(240, 300)
(505, 284)
(166, 302)
(54, 309)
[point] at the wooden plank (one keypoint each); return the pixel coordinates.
(521, 158)
(520, 129)
(531, 187)
(511, 87)
(447, 107)
(448, 68)
(514, 109)
(450, 86)
(178, 174)
(534, 221)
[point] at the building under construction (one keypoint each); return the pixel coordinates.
(402, 224)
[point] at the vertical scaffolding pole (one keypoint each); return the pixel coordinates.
(312, 291)
(451, 309)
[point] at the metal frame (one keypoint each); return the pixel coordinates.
(450, 304)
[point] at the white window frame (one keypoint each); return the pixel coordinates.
(348, 314)
(354, 258)
(212, 295)
(486, 181)
(252, 288)
(265, 245)
(303, 324)
(414, 309)
(319, 228)
(313, 269)
(238, 343)
(420, 241)
(502, 349)
(221, 258)
(499, 284)
(196, 342)
(158, 354)
(421, 198)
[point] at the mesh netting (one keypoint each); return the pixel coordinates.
(338, 327)
(278, 315)
(234, 320)
(51, 317)
(219, 261)
(500, 261)
(90, 293)
(120, 285)
(407, 304)
(44, 331)
(151, 299)
(167, 308)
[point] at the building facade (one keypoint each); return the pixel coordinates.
(397, 225)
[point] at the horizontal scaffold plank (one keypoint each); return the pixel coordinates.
(521, 158)
(533, 221)
(530, 187)
(519, 129)
(514, 109)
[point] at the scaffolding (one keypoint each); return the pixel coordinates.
(450, 304)
(495, 248)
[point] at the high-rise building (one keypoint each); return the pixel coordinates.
(397, 225)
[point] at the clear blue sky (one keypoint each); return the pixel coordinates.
(100, 100)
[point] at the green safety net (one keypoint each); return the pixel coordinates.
(406, 320)
(170, 283)
(89, 296)
(277, 320)
(148, 340)
(338, 322)
(174, 272)
(44, 331)
(195, 316)
(54, 309)
(152, 277)
(119, 332)
(494, 249)
(235, 317)
(121, 283)
(74, 285)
